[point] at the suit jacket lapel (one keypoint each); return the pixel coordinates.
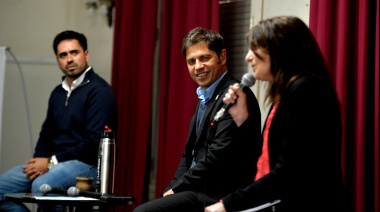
(217, 98)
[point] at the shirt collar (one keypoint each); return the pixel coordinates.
(205, 95)
(76, 82)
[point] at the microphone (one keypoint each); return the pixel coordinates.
(246, 81)
(74, 192)
(45, 189)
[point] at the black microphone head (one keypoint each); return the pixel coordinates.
(248, 80)
(45, 188)
(73, 191)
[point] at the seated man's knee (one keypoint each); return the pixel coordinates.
(37, 183)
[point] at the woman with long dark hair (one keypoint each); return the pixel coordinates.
(301, 159)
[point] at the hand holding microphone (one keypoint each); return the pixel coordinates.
(247, 81)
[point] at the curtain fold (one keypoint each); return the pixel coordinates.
(376, 124)
(132, 77)
(177, 90)
(347, 32)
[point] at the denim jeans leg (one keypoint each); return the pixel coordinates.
(13, 181)
(63, 175)
(66, 172)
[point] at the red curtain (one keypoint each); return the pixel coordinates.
(177, 90)
(348, 33)
(132, 79)
(132, 73)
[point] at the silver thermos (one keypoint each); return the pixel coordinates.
(106, 162)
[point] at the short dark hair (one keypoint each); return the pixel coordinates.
(213, 40)
(69, 35)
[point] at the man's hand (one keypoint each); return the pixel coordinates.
(217, 207)
(36, 167)
(169, 192)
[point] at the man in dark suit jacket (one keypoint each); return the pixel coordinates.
(219, 157)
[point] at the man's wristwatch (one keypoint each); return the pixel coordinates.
(50, 163)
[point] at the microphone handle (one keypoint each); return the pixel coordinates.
(226, 107)
(222, 111)
(52, 190)
(106, 197)
(117, 199)
(59, 191)
(91, 194)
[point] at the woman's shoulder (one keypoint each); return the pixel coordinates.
(310, 82)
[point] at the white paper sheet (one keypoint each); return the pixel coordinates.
(64, 198)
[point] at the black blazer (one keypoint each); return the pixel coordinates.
(232, 152)
(304, 151)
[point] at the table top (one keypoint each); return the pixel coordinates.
(67, 200)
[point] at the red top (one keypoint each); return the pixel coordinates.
(263, 162)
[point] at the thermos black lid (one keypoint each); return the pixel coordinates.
(108, 133)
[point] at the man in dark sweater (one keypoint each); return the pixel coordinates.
(78, 111)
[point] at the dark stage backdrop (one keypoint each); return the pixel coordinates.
(132, 79)
(132, 71)
(177, 90)
(348, 33)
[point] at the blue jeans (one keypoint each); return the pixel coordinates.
(63, 175)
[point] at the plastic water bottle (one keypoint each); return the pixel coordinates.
(106, 162)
